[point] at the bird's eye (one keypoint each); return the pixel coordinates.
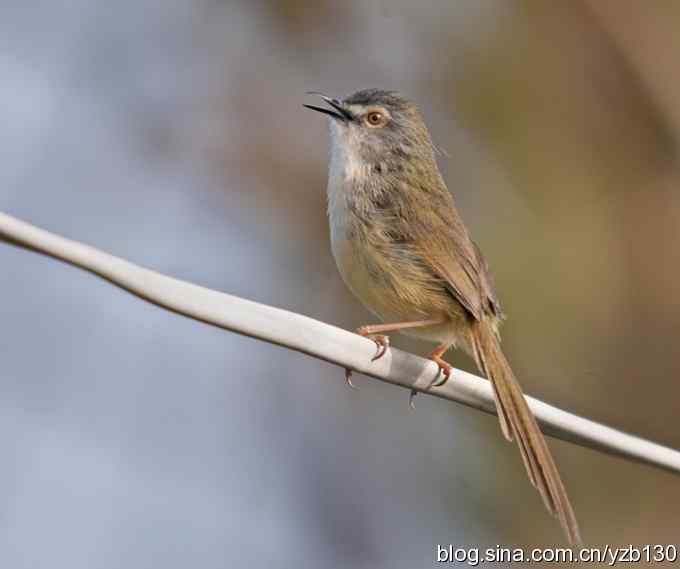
(375, 118)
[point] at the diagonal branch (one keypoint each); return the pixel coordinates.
(323, 341)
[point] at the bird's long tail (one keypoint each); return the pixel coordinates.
(518, 422)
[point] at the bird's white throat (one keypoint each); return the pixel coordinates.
(346, 168)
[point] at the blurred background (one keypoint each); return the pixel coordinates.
(171, 133)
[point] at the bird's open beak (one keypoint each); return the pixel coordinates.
(338, 111)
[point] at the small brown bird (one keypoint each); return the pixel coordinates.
(402, 248)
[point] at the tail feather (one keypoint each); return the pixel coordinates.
(503, 413)
(518, 422)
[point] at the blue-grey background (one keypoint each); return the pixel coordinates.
(171, 133)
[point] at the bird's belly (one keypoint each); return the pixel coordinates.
(361, 276)
(392, 293)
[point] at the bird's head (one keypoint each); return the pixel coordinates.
(377, 128)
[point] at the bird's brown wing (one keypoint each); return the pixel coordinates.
(486, 287)
(448, 251)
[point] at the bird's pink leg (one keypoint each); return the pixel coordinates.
(444, 367)
(374, 332)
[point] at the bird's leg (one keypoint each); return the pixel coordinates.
(444, 367)
(374, 332)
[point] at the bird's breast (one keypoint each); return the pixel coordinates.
(379, 271)
(382, 271)
(350, 235)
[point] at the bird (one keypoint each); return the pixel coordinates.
(403, 250)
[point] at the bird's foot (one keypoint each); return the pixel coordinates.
(444, 369)
(381, 341)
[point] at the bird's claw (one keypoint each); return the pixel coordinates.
(444, 370)
(382, 342)
(412, 399)
(348, 378)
